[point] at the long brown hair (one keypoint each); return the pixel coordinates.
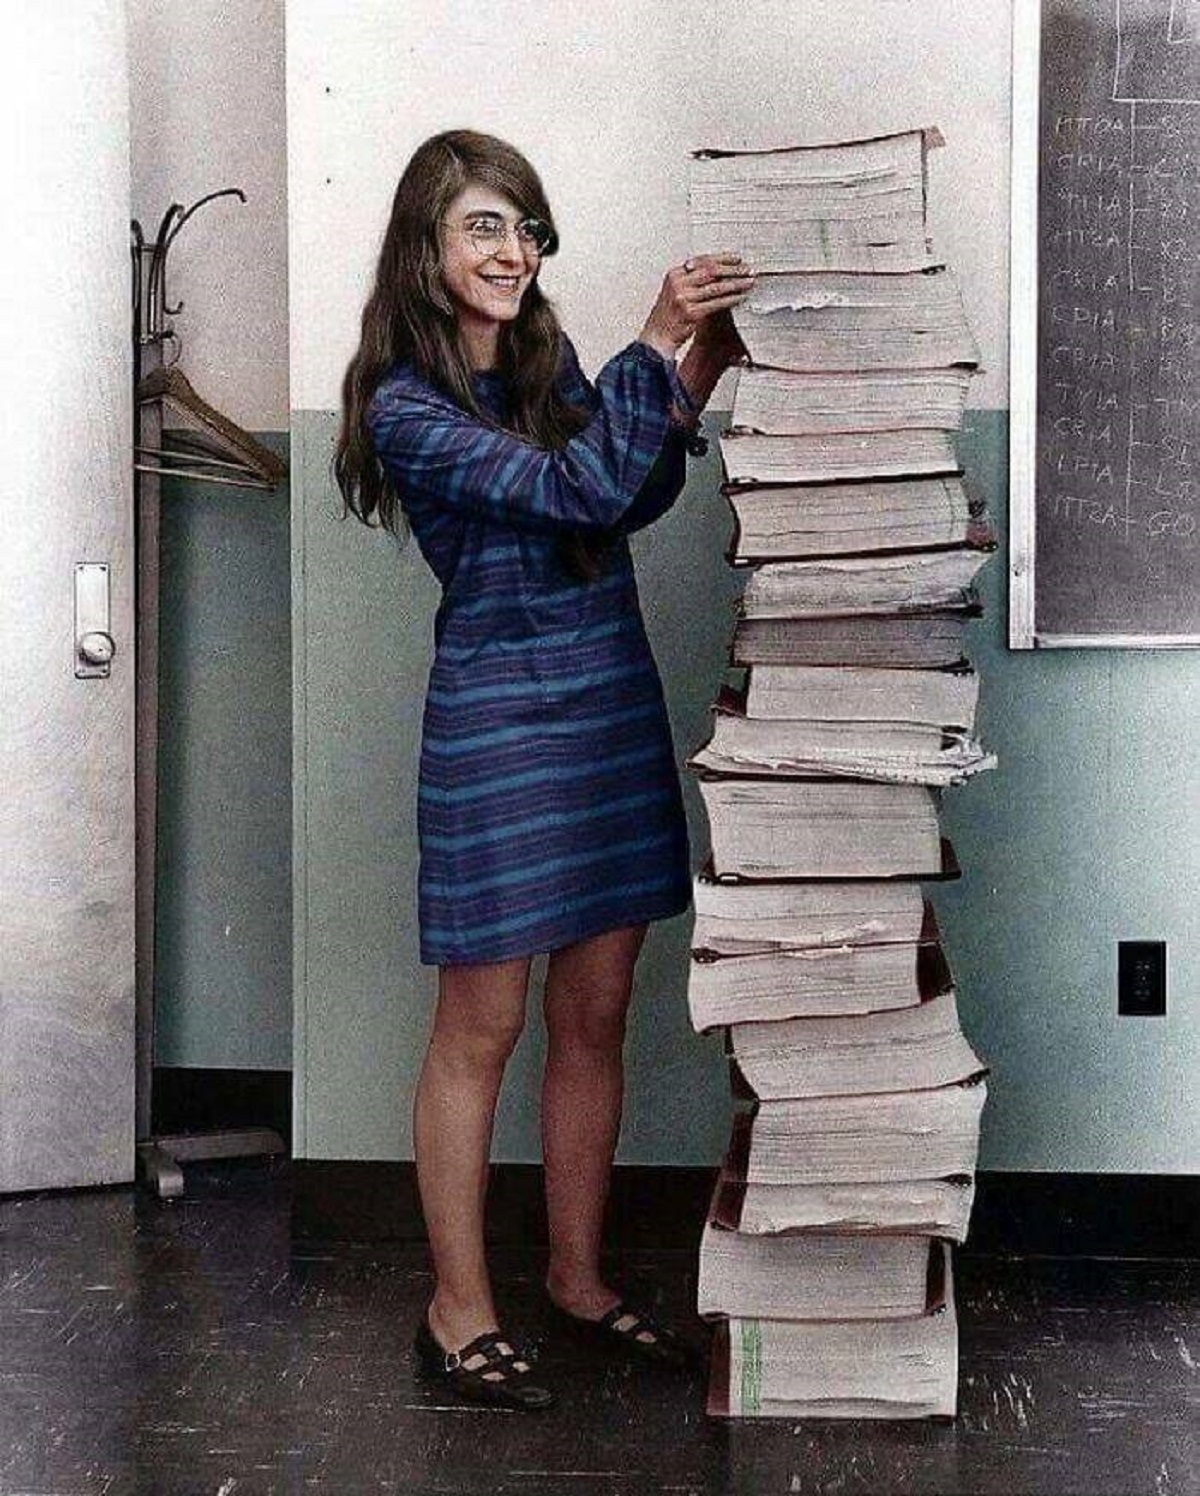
(409, 315)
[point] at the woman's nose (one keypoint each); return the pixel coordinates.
(510, 252)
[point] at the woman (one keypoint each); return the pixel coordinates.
(549, 811)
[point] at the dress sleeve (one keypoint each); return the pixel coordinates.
(438, 452)
(663, 485)
(664, 482)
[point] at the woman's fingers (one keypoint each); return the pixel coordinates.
(693, 291)
(704, 309)
(725, 257)
(720, 285)
(714, 283)
(717, 295)
(708, 268)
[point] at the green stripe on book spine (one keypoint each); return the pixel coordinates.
(751, 1366)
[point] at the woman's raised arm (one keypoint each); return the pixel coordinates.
(438, 453)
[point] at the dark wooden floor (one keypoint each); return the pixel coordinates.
(190, 1348)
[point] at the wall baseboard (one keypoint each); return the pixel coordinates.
(663, 1206)
(1015, 1214)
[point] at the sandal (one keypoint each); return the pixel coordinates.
(500, 1376)
(633, 1331)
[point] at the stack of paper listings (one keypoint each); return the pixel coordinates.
(826, 1259)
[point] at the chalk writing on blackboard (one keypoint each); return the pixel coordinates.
(1117, 467)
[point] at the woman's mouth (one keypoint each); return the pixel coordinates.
(506, 284)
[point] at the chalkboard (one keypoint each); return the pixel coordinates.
(1105, 406)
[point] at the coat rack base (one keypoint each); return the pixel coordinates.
(161, 1159)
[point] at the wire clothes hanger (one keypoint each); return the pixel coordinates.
(219, 451)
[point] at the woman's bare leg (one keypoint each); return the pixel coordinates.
(588, 987)
(480, 1014)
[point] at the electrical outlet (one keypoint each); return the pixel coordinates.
(1142, 978)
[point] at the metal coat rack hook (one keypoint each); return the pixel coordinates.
(150, 268)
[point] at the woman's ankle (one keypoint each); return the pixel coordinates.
(580, 1291)
(455, 1322)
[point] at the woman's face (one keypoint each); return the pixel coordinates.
(486, 284)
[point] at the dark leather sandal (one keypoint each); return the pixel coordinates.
(501, 1375)
(635, 1332)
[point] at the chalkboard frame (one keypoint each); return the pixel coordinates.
(1023, 632)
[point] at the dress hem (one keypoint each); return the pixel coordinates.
(583, 929)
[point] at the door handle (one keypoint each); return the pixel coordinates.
(94, 643)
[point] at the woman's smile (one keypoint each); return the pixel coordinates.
(506, 285)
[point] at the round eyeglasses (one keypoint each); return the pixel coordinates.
(488, 231)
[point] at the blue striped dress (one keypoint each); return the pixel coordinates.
(549, 807)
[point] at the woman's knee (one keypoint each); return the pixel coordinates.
(594, 1027)
(481, 1011)
(588, 990)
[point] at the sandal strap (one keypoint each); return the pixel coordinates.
(623, 1311)
(494, 1346)
(642, 1320)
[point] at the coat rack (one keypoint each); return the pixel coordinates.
(215, 450)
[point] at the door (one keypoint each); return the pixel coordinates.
(66, 737)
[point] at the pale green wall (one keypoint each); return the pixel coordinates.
(1086, 833)
(223, 978)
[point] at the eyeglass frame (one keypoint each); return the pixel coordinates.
(514, 229)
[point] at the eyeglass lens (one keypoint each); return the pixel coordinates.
(488, 234)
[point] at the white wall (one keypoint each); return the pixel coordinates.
(607, 101)
(207, 111)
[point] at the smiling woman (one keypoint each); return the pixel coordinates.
(549, 812)
(492, 253)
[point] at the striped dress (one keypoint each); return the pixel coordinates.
(549, 806)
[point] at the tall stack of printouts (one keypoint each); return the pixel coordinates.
(826, 1259)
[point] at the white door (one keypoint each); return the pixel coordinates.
(66, 740)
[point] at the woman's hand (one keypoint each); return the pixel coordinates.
(694, 294)
(720, 342)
